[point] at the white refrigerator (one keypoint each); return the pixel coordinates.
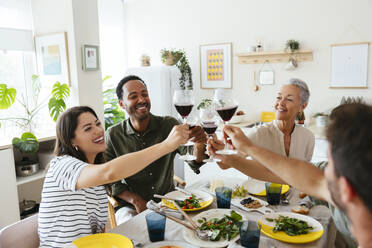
(161, 82)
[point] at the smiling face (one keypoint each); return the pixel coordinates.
(136, 100)
(89, 135)
(288, 103)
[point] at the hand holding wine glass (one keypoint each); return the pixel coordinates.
(183, 101)
(226, 107)
(209, 121)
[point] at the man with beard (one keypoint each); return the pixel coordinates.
(139, 131)
(346, 182)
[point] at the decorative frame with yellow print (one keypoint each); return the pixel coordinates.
(215, 66)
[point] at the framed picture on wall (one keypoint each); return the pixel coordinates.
(349, 65)
(52, 58)
(90, 57)
(216, 66)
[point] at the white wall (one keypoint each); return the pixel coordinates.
(111, 32)
(153, 25)
(79, 18)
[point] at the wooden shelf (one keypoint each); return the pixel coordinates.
(38, 175)
(274, 57)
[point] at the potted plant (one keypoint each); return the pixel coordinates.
(112, 111)
(321, 119)
(28, 142)
(205, 103)
(178, 58)
(292, 45)
(170, 57)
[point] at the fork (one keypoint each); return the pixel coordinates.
(286, 197)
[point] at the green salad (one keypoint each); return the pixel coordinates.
(226, 227)
(189, 203)
(290, 226)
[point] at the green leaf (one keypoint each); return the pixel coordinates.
(56, 107)
(60, 91)
(36, 84)
(27, 143)
(105, 78)
(7, 96)
(235, 216)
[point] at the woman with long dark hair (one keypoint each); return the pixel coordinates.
(74, 202)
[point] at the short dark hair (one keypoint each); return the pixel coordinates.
(350, 135)
(119, 88)
(65, 131)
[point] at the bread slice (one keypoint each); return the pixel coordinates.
(300, 210)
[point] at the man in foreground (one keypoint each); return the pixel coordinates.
(346, 182)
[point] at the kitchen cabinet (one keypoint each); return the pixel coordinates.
(14, 189)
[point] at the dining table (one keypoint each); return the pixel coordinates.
(136, 228)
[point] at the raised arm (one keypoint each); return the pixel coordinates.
(301, 175)
(129, 164)
(248, 167)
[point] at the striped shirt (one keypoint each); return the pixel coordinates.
(65, 213)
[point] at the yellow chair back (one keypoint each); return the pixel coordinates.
(267, 116)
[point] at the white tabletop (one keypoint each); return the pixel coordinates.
(136, 228)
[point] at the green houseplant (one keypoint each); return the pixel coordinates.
(55, 101)
(292, 45)
(178, 58)
(112, 111)
(205, 103)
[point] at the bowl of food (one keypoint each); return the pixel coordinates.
(239, 117)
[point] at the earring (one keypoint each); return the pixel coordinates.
(76, 148)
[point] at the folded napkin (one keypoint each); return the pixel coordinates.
(163, 210)
(306, 201)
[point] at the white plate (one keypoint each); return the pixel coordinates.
(254, 186)
(168, 243)
(238, 119)
(192, 238)
(264, 209)
(228, 182)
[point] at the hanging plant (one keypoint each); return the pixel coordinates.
(178, 58)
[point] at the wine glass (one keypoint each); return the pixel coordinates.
(183, 101)
(225, 106)
(209, 120)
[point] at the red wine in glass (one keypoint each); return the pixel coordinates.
(209, 127)
(184, 110)
(227, 113)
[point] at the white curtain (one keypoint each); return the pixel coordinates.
(16, 25)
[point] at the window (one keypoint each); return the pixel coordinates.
(16, 70)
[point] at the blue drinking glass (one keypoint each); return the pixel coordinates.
(250, 234)
(273, 191)
(155, 226)
(223, 195)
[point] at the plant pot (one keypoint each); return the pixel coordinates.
(26, 167)
(171, 60)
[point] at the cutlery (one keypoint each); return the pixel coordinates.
(286, 197)
(202, 234)
(168, 198)
(175, 219)
(136, 243)
(186, 192)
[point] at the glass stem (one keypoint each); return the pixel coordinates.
(210, 136)
(187, 147)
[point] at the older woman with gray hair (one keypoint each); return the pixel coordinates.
(283, 135)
